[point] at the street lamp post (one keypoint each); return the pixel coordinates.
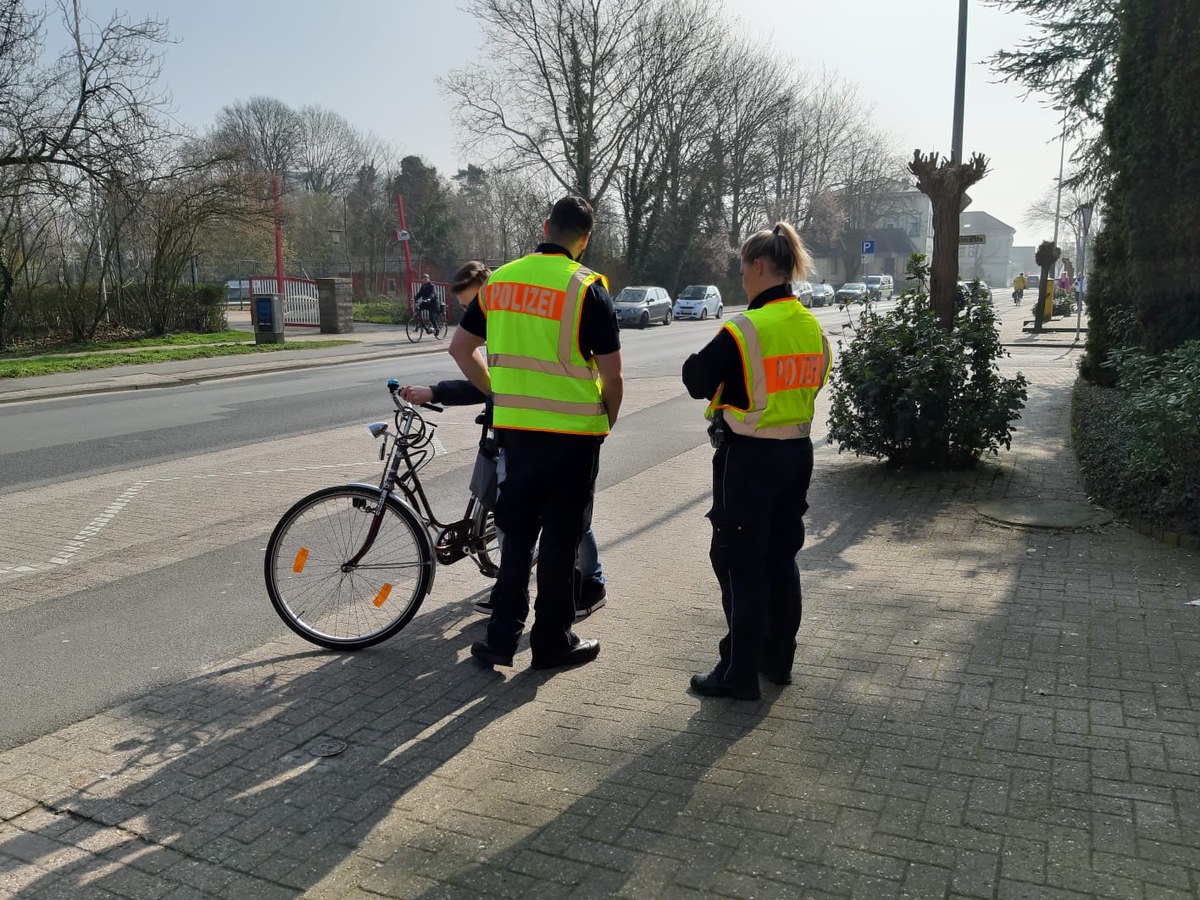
(1085, 213)
(960, 84)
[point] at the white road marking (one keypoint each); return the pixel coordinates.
(94, 527)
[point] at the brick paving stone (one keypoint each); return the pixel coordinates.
(978, 711)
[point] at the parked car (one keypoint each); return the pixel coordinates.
(879, 286)
(803, 291)
(640, 305)
(823, 294)
(852, 292)
(699, 301)
(985, 292)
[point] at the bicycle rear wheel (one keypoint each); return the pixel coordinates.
(323, 598)
(415, 328)
(440, 327)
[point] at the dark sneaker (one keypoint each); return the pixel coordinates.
(484, 605)
(591, 597)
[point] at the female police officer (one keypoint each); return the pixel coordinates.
(761, 373)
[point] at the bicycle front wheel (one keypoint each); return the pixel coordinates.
(415, 329)
(327, 589)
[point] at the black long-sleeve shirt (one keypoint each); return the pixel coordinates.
(457, 392)
(720, 362)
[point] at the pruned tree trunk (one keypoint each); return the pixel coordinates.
(945, 183)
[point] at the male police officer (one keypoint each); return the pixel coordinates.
(554, 372)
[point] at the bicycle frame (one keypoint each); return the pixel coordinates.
(451, 541)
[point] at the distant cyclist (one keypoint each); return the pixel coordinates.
(428, 303)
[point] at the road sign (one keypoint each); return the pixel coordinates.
(402, 235)
(972, 238)
(868, 248)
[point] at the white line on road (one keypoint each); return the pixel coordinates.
(94, 527)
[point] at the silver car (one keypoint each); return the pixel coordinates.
(640, 305)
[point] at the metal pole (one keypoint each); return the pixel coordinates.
(278, 237)
(960, 84)
(1062, 155)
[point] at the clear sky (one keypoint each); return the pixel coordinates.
(376, 62)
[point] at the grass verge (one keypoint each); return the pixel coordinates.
(189, 339)
(52, 365)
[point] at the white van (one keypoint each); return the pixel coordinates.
(879, 287)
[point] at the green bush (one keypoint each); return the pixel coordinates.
(906, 391)
(203, 310)
(1139, 444)
(381, 312)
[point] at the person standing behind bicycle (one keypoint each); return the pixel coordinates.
(554, 373)
(427, 302)
(591, 587)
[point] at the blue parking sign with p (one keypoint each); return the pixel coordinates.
(868, 248)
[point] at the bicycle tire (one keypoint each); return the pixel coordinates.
(414, 329)
(440, 327)
(483, 524)
(347, 610)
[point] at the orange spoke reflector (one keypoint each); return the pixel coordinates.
(382, 595)
(301, 559)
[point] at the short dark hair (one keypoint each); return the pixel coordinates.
(570, 219)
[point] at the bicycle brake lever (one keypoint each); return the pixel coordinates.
(432, 407)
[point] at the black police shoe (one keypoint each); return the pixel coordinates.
(711, 685)
(489, 657)
(577, 654)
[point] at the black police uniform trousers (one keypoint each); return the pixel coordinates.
(760, 495)
(549, 481)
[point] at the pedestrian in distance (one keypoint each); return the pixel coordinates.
(590, 584)
(761, 374)
(553, 370)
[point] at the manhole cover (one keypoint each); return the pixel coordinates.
(326, 747)
(1054, 514)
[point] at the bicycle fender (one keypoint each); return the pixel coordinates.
(423, 531)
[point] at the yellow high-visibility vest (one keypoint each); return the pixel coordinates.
(785, 361)
(540, 380)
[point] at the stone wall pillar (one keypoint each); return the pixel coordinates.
(337, 305)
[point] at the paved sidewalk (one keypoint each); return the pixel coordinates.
(979, 711)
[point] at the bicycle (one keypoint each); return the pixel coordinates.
(349, 566)
(426, 322)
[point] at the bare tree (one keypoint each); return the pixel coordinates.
(751, 95)
(198, 187)
(1041, 214)
(92, 108)
(667, 155)
(329, 150)
(266, 131)
(557, 91)
(944, 183)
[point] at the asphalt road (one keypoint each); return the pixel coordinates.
(69, 656)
